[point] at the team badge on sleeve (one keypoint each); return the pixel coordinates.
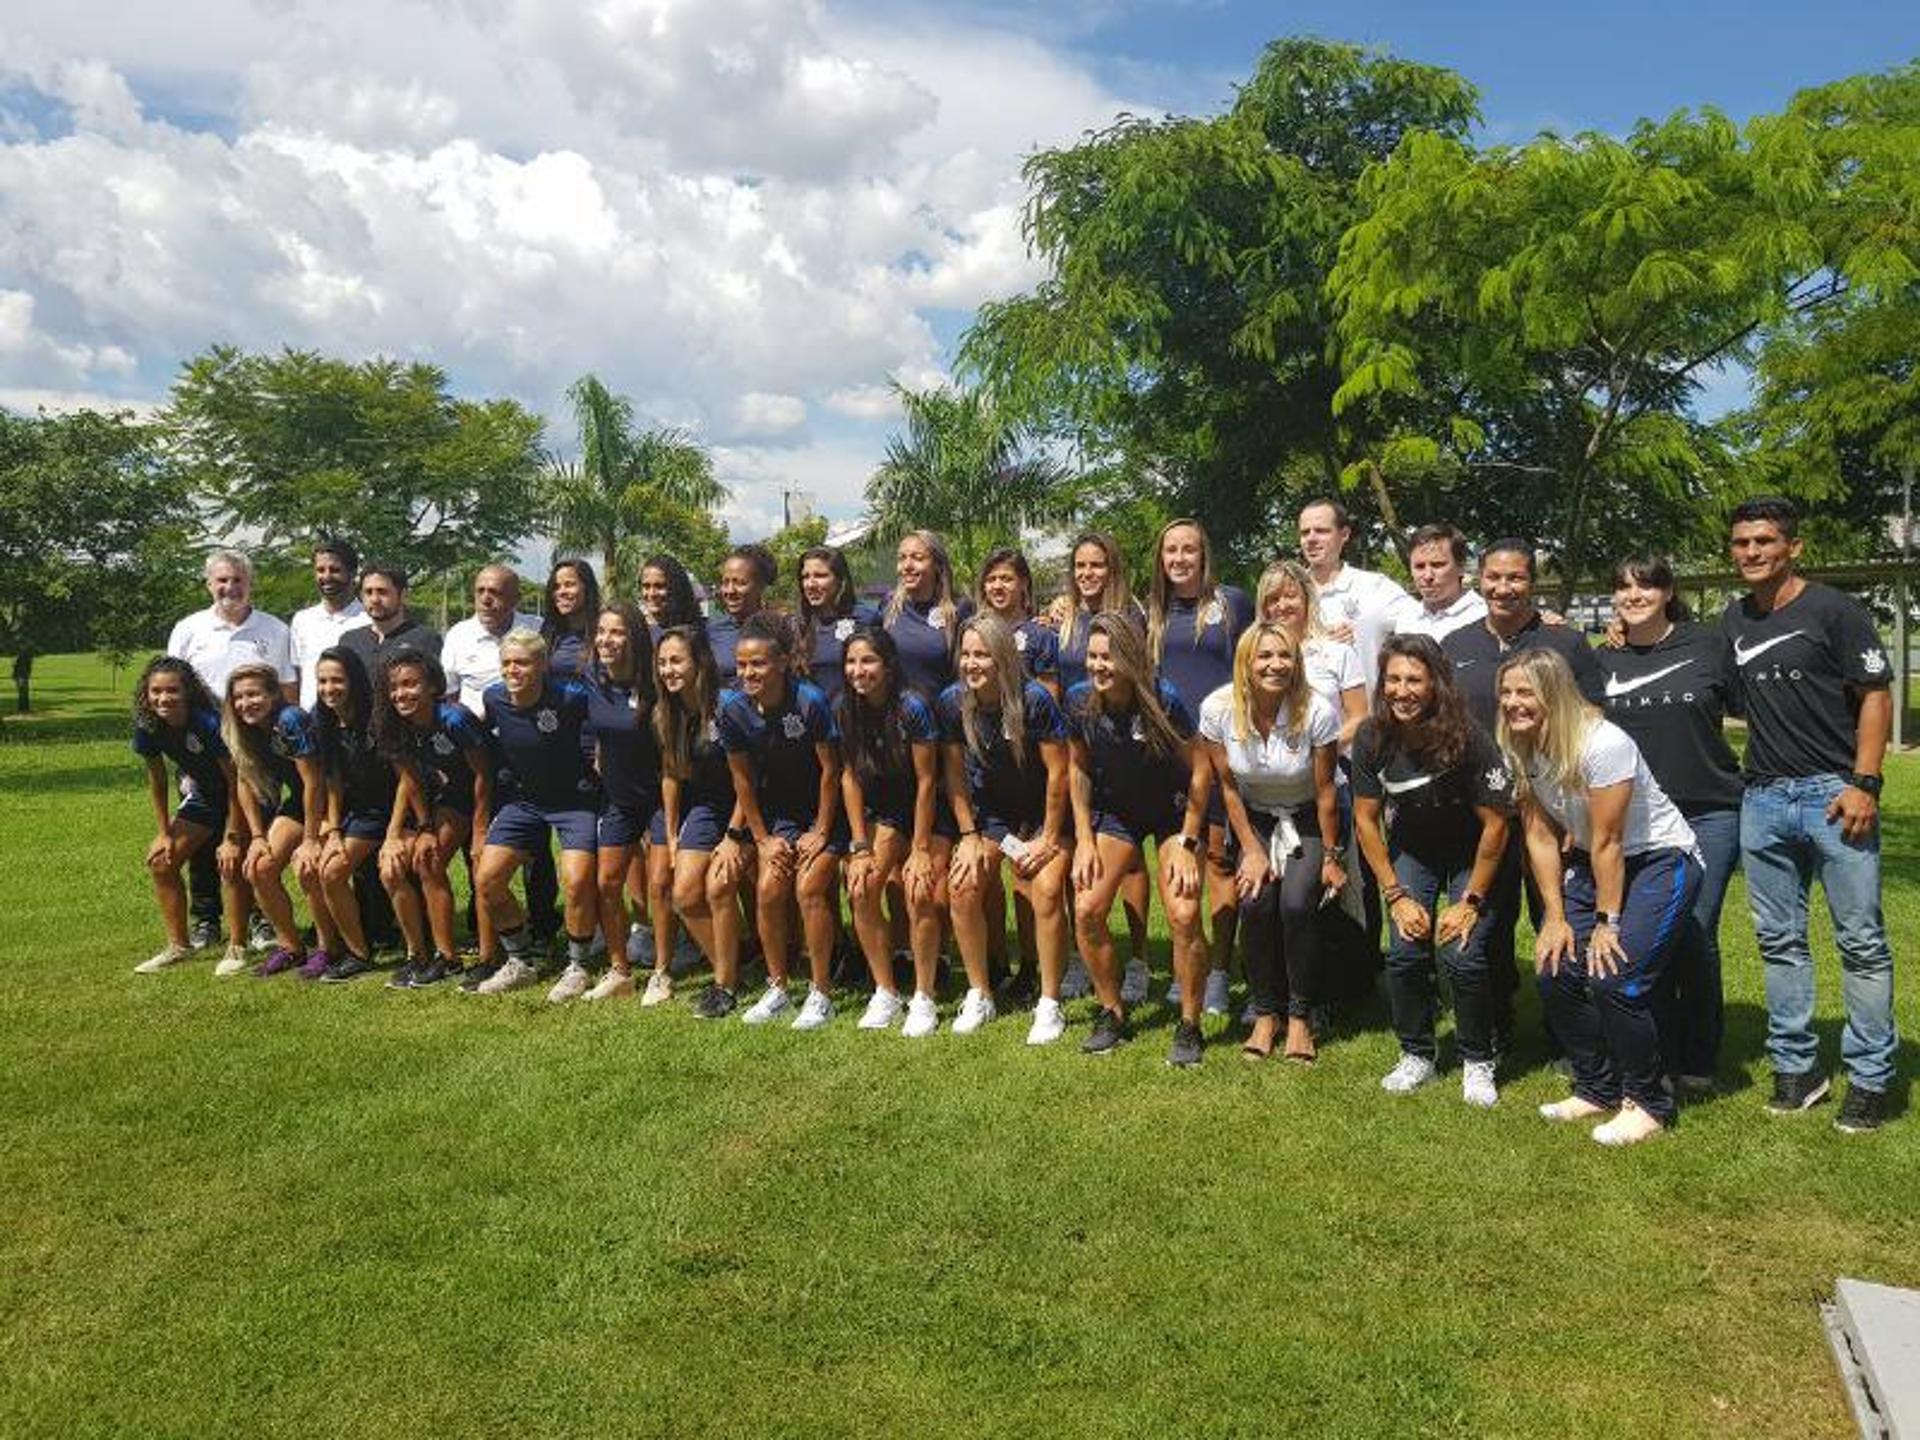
(1498, 778)
(1020, 641)
(1874, 662)
(1213, 614)
(842, 629)
(194, 744)
(443, 744)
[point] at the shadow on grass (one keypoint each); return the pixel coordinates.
(1746, 1046)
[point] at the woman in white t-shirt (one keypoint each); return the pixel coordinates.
(1272, 744)
(1287, 593)
(1614, 897)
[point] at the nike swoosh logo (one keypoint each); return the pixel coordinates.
(1742, 654)
(1400, 787)
(1617, 686)
(1461, 664)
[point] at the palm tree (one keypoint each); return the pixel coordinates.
(631, 491)
(964, 471)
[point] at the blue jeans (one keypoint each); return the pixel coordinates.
(1692, 1013)
(1411, 992)
(1787, 842)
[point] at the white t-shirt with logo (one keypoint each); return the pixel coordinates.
(1609, 758)
(1370, 602)
(216, 648)
(1274, 773)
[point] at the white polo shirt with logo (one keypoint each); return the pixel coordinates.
(471, 657)
(314, 630)
(216, 648)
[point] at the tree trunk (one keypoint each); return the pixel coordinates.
(1389, 512)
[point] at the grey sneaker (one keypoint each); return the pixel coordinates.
(574, 982)
(513, 974)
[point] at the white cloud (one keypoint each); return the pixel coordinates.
(739, 212)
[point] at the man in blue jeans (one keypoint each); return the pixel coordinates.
(1812, 680)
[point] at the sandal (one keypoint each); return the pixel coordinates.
(1300, 1048)
(1252, 1048)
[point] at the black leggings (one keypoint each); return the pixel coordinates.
(1280, 927)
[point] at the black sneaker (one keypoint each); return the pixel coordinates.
(204, 935)
(1794, 1093)
(471, 981)
(1109, 1034)
(716, 1002)
(1188, 1045)
(436, 970)
(1862, 1111)
(348, 967)
(409, 971)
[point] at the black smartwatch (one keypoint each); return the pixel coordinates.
(740, 835)
(860, 847)
(1869, 783)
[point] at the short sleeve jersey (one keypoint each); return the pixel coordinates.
(629, 755)
(1332, 670)
(1039, 649)
(781, 744)
(446, 752)
(196, 749)
(1794, 665)
(1431, 813)
(569, 655)
(540, 746)
(1196, 647)
(924, 637)
(366, 777)
(1476, 653)
(830, 638)
(290, 740)
(1671, 697)
(1611, 758)
(723, 634)
(1006, 787)
(1129, 779)
(1075, 633)
(890, 795)
(1273, 772)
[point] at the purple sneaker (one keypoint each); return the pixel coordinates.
(316, 966)
(279, 959)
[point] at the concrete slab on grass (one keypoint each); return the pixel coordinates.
(1875, 1333)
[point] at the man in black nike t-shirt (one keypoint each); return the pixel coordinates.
(1812, 681)
(1512, 622)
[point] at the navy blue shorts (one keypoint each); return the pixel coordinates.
(209, 812)
(995, 828)
(791, 830)
(621, 826)
(702, 828)
(657, 826)
(944, 825)
(366, 825)
(1137, 830)
(521, 825)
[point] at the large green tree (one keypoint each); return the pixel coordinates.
(296, 445)
(94, 534)
(633, 490)
(961, 467)
(1182, 341)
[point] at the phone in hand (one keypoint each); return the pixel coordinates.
(1013, 847)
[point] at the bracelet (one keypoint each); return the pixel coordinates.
(1394, 894)
(967, 834)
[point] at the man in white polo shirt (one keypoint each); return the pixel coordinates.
(230, 632)
(1437, 556)
(1359, 606)
(471, 654)
(319, 627)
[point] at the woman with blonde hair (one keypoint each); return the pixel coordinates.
(1272, 744)
(1005, 757)
(1617, 867)
(1286, 593)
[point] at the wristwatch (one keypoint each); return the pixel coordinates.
(1609, 918)
(1869, 783)
(1474, 900)
(740, 835)
(1188, 842)
(860, 847)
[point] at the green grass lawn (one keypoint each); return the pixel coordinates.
(254, 1208)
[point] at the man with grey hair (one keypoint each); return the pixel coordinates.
(230, 632)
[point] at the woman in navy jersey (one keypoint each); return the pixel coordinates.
(1615, 865)
(746, 575)
(1669, 684)
(780, 740)
(1006, 593)
(175, 717)
(1193, 623)
(1432, 800)
(900, 830)
(1137, 776)
(829, 614)
(620, 721)
(1006, 764)
(360, 795)
(545, 788)
(1096, 584)
(924, 612)
(567, 615)
(699, 814)
(277, 808)
(445, 777)
(667, 596)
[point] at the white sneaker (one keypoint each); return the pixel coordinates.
(1570, 1109)
(1476, 1084)
(1049, 1022)
(659, 989)
(815, 1010)
(614, 985)
(975, 1011)
(1215, 1000)
(513, 974)
(773, 1001)
(882, 1010)
(1076, 984)
(234, 962)
(1133, 985)
(171, 955)
(574, 982)
(1409, 1075)
(923, 1017)
(1629, 1127)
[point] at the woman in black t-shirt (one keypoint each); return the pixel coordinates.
(1669, 684)
(1431, 801)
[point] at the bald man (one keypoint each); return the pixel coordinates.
(471, 653)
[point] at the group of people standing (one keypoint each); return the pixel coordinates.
(1292, 773)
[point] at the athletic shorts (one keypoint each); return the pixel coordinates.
(944, 825)
(209, 812)
(657, 826)
(791, 830)
(366, 825)
(1136, 830)
(702, 828)
(622, 825)
(522, 825)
